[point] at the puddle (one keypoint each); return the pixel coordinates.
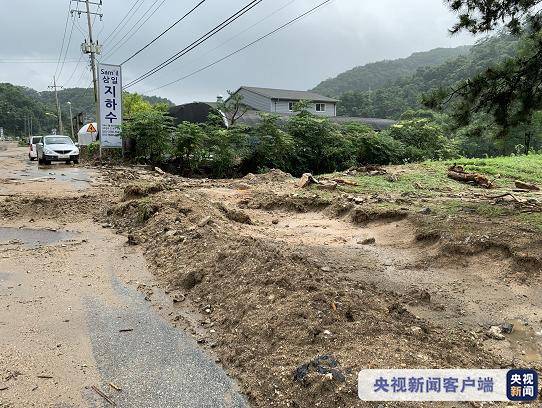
(76, 176)
(33, 237)
(525, 341)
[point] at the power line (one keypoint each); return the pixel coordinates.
(63, 37)
(242, 48)
(164, 32)
(246, 29)
(120, 43)
(198, 42)
(113, 33)
(74, 70)
(67, 47)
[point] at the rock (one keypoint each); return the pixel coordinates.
(132, 240)
(526, 186)
(417, 331)
(368, 241)
(178, 297)
(191, 279)
(275, 221)
(507, 328)
(159, 170)
(306, 180)
(204, 221)
(326, 268)
(107, 225)
(495, 333)
(327, 186)
(425, 210)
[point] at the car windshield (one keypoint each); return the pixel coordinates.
(58, 140)
(36, 140)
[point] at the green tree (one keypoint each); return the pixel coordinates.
(268, 146)
(150, 132)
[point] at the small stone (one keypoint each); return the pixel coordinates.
(275, 221)
(368, 241)
(495, 333)
(425, 210)
(326, 269)
(204, 221)
(507, 328)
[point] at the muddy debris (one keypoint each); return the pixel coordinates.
(325, 367)
(368, 241)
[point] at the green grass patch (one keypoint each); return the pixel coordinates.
(430, 177)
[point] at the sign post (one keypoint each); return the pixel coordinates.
(110, 104)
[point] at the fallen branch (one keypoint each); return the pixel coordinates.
(101, 394)
(459, 174)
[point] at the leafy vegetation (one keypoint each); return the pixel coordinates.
(19, 104)
(306, 143)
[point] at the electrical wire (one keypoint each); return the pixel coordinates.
(130, 34)
(196, 43)
(242, 48)
(63, 38)
(27, 61)
(245, 30)
(128, 15)
(67, 47)
(164, 32)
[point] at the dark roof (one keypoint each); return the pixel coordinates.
(252, 118)
(286, 94)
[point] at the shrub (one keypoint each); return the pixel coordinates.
(319, 145)
(423, 140)
(372, 147)
(150, 133)
(268, 146)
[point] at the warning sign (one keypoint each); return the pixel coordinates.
(91, 128)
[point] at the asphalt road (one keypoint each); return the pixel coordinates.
(71, 317)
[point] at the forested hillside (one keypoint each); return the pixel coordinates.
(380, 74)
(18, 104)
(392, 93)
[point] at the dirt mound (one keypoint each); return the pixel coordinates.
(292, 202)
(53, 207)
(273, 175)
(269, 309)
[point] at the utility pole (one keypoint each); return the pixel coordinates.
(59, 112)
(71, 118)
(91, 48)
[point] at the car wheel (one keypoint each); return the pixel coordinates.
(76, 161)
(46, 162)
(40, 161)
(68, 161)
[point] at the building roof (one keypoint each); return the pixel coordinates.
(287, 94)
(252, 118)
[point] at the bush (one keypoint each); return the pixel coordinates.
(319, 145)
(372, 147)
(190, 146)
(423, 140)
(268, 146)
(150, 133)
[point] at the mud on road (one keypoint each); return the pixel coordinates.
(266, 276)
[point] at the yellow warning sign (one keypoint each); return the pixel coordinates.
(91, 128)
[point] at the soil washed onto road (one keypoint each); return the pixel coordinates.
(158, 290)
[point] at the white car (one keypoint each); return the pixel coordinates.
(33, 148)
(57, 148)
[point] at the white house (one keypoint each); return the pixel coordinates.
(282, 100)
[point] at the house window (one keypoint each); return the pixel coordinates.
(291, 106)
(320, 107)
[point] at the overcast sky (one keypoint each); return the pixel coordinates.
(337, 37)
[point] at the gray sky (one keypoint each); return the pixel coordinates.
(337, 37)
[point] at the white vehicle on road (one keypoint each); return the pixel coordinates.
(33, 148)
(57, 148)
